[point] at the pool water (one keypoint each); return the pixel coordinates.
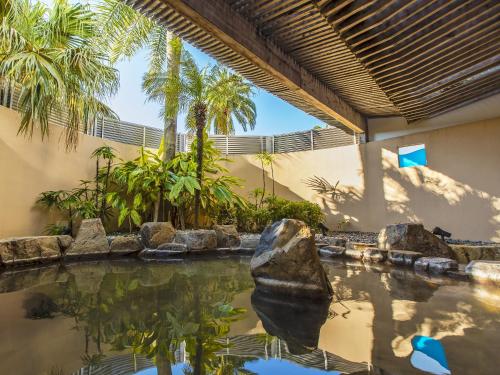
(205, 317)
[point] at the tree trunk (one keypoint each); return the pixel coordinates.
(272, 176)
(200, 113)
(97, 184)
(104, 191)
(263, 182)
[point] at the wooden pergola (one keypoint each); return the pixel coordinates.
(345, 60)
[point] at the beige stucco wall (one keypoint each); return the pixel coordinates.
(28, 167)
(459, 190)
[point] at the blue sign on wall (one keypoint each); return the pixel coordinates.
(412, 156)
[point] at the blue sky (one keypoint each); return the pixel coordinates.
(274, 115)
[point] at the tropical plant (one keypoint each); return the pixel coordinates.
(102, 177)
(266, 159)
(53, 56)
(253, 217)
(76, 203)
(137, 184)
(230, 99)
(125, 31)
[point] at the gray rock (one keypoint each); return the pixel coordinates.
(250, 241)
(435, 265)
(155, 234)
(175, 247)
(374, 255)
(403, 257)
(413, 237)
(90, 239)
(286, 261)
(484, 271)
(197, 240)
(165, 251)
(227, 236)
(125, 245)
(26, 250)
(332, 251)
(466, 253)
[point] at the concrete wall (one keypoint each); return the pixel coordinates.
(459, 190)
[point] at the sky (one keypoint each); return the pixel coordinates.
(274, 116)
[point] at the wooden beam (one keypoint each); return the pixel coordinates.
(218, 19)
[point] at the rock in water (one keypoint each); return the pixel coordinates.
(155, 234)
(227, 236)
(197, 240)
(286, 261)
(413, 237)
(126, 245)
(90, 239)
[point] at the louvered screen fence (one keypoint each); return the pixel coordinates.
(141, 135)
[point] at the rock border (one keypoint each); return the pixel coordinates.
(25, 252)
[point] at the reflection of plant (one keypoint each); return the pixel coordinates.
(189, 309)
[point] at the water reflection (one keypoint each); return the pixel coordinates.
(206, 318)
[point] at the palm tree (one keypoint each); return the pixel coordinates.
(52, 55)
(230, 99)
(216, 95)
(197, 88)
(126, 31)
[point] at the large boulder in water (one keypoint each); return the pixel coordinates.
(153, 234)
(413, 237)
(286, 261)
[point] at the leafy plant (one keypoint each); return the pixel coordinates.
(52, 54)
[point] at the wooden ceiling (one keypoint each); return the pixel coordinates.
(416, 58)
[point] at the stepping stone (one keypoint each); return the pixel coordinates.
(354, 254)
(164, 251)
(360, 245)
(435, 265)
(374, 255)
(484, 271)
(331, 251)
(403, 257)
(321, 244)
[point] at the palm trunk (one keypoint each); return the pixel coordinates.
(170, 125)
(263, 182)
(272, 176)
(200, 113)
(97, 183)
(104, 191)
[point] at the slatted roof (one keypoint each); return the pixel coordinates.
(416, 58)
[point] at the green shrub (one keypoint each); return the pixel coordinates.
(254, 217)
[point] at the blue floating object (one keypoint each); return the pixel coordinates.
(428, 355)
